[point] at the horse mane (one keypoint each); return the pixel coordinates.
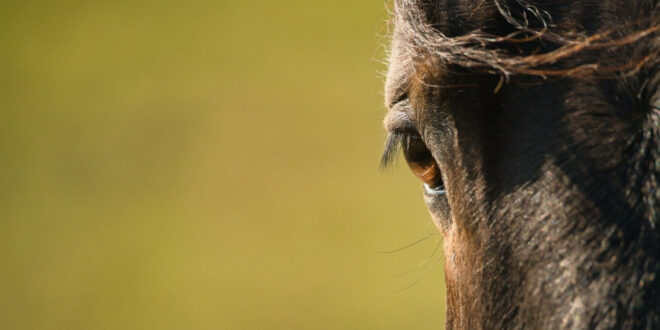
(487, 52)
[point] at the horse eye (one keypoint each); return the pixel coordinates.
(421, 162)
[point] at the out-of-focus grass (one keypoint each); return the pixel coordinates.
(203, 165)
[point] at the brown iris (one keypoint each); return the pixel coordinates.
(421, 162)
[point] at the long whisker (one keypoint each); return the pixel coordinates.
(408, 245)
(420, 278)
(435, 250)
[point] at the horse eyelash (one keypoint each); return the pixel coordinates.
(392, 146)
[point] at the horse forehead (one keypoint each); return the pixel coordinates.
(399, 70)
(409, 20)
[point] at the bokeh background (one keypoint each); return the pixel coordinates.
(204, 165)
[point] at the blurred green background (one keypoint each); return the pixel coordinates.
(204, 165)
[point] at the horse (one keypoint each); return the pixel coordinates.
(535, 129)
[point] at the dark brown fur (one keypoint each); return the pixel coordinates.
(544, 118)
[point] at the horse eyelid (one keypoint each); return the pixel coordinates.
(399, 99)
(398, 120)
